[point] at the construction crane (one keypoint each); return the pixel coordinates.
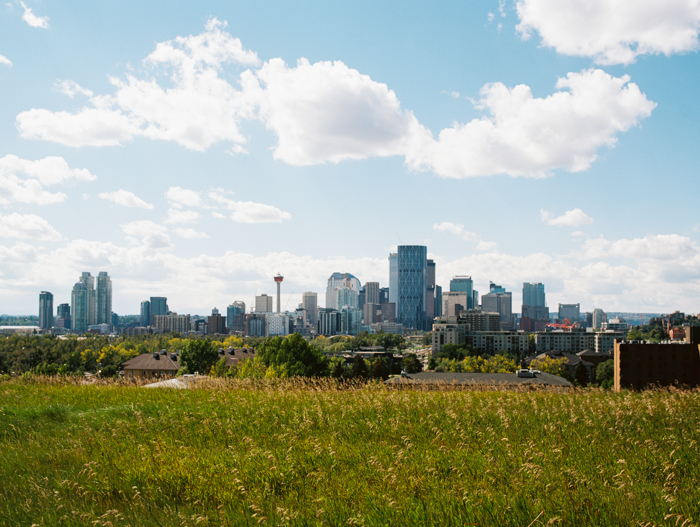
(565, 325)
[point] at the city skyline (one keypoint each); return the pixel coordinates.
(186, 161)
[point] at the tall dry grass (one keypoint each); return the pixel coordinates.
(291, 452)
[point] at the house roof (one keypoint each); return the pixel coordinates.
(503, 379)
(571, 359)
(148, 361)
(233, 355)
(594, 354)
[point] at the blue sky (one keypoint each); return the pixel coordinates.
(194, 150)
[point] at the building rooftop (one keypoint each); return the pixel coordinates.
(148, 361)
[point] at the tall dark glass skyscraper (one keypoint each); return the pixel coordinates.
(533, 294)
(45, 310)
(146, 319)
(412, 267)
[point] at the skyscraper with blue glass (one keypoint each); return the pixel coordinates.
(412, 287)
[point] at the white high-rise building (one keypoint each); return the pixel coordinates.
(394, 278)
(309, 302)
(89, 281)
(264, 303)
(103, 313)
(599, 318)
(79, 307)
(340, 281)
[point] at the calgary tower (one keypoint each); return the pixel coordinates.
(278, 279)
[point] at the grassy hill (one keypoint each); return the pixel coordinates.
(288, 453)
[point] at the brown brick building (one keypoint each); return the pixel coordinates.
(639, 365)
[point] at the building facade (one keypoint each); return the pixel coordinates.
(63, 318)
(454, 302)
(216, 324)
(394, 278)
(328, 322)
(159, 306)
(309, 302)
(465, 285)
(599, 317)
(570, 311)
(411, 307)
(79, 307)
(498, 300)
(264, 303)
(640, 365)
(45, 310)
(533, 294)
(89, 281)
(171, 322)
(146, 319)
(340, 281)
(103, 309)
(237, 308)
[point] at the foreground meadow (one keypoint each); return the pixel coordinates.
(236, 453)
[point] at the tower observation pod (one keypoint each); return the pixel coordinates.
(278, 279)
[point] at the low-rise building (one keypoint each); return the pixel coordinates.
(148, 365)
(639, 364)
(172, 322)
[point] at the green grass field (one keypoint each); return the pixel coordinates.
(235, 453)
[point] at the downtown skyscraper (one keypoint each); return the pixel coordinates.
(412, 287)
(103, 310)
(45, 310)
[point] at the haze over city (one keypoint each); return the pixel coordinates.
(194, 151)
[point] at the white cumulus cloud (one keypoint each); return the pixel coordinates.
(23, 181)
(72, 88)
(530, 136)
(176, 215)
(249, 211)
(32, 20)
(190, 234)
(612, 31)
(197, 111)
(571, 218)
(184, 196)
(5, 60)
(125, 199)
(88, 127)
(329, 112)
(456, 229)
(27, 226)
(147, 233)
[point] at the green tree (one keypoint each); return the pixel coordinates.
(294, 356)
(338, 370)
(605, 373)
(581, 374)
(222, 369)
(380, 370)
(432, 363)
(550, 365)
(198, 356)
(428, 338)
(411, 364)
(359, 368)
(390, 340)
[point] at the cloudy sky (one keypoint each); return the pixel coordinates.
(195, 149)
